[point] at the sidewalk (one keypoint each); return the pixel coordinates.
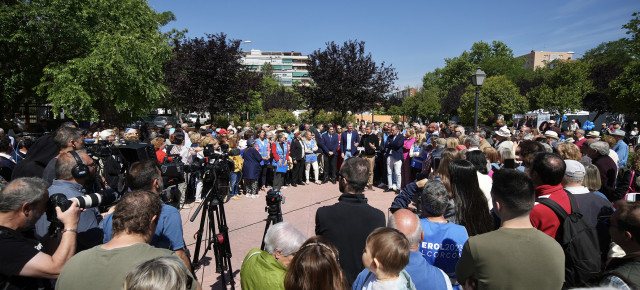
(246, 221)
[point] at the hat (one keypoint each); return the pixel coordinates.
(593, 134)
(551, 134)
(218, 130)
(504, 132)
(552, 122)
(574, 169)
(616, 122)
(223, 131)
(208, 131)
(251, 142)
(618, 132)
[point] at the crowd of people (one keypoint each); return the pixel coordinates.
(482, 201)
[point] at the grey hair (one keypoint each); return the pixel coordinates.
(474, 140)
(1, 131)
(415, 237)
(105, 134)
(574, 179)
(284, 237)
(20, 191)
(64, 135)
(506, 153)
(65, 164)
(349, 123)
(482, 133)
(441, 142)
(600, 146)
(435, 198)
(167, 272)
(461, 130)
(580, 131)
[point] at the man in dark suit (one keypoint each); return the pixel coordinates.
(347, 223)
(370, 144)
(330, 143)
(349, 142)
(394, 145)
(297, 155)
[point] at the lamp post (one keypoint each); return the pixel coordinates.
(477, 78)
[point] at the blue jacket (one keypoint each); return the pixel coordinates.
(355, 138)
(330, 143)
(395, 146)
(319, 141)
(251, 166)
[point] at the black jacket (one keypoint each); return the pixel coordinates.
(347, 224)
(369, 139)
(38, 156)
(297, 150)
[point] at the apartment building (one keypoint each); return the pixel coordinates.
(536, 59)
(289, 67)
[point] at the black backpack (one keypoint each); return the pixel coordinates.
(579, 241)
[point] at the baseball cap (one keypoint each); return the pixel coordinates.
(574, 169)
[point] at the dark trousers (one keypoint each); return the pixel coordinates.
(330, 166)
(262, 180)
(278, 180)
(298, 172)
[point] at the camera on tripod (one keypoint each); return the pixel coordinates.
(100, 148)
(274, 199)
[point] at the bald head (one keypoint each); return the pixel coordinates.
(407, 223)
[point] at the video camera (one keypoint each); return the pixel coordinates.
(100, 148)
(274, 199)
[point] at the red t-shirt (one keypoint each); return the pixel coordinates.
(542, 217)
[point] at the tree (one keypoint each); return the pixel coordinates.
(607, 61)
(425, 103)
(498, 95)
(625, 90)
(88, 58)
(346, 78)
(565, 85)
(205, 74)
(276, 96)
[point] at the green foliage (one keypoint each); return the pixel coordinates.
(425, 103)
(563, 89)
(276, 116)
(626, 89)
(88, 58)
(498, 95)
(395, 113)
(323, 117)
(633, 29)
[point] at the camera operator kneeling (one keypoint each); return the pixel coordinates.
(23, 265)
(74, 170)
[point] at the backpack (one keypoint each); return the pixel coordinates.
(579, 241)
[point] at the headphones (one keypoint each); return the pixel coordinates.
(80, 170)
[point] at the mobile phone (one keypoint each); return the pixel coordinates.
(509, 163)
(632, 196)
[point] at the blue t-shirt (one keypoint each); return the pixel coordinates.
(168, 233)
(442, 245)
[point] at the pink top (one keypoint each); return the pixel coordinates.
(407, 147)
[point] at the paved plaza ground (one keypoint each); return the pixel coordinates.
(246, 220)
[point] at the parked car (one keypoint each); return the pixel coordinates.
(162, 121)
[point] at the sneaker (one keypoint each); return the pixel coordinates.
(318, 182)
(236, 197)
(248, 196)
(284, 187)
(255, 196)
(186, 206)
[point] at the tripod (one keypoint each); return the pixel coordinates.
(214, 209)
(274, 199)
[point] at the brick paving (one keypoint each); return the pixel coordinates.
(246, 219)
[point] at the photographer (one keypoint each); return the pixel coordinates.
(145, 175)
(66, 138)
(71, 178)
(23, 265)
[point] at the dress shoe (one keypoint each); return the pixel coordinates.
(294, 185)
(324, 181)
(333, 181)
(388, 190)
(397, 191)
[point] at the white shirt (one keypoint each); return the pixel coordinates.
(348, 140)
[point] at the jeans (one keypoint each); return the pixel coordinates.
(347, 155)
(235, 182)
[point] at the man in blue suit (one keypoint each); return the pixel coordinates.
(394, 145)
(330, 146)
(349, 142)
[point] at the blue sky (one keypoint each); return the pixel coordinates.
(413, 36)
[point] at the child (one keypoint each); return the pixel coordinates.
(385, 256)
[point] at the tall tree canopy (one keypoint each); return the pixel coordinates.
(88, 58)
(498, 96)
(346, 78)
(625, 90)
(205, 74)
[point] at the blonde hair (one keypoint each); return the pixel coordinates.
(412, 132)
(569, 151)
(591, 179)
(421, 139)
(160, 273)
(157, 142)
(194, 137)
(208, 140)
(452, 142)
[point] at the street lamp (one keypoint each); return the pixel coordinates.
(477, 78)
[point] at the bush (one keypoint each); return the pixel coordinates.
(276, 116)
